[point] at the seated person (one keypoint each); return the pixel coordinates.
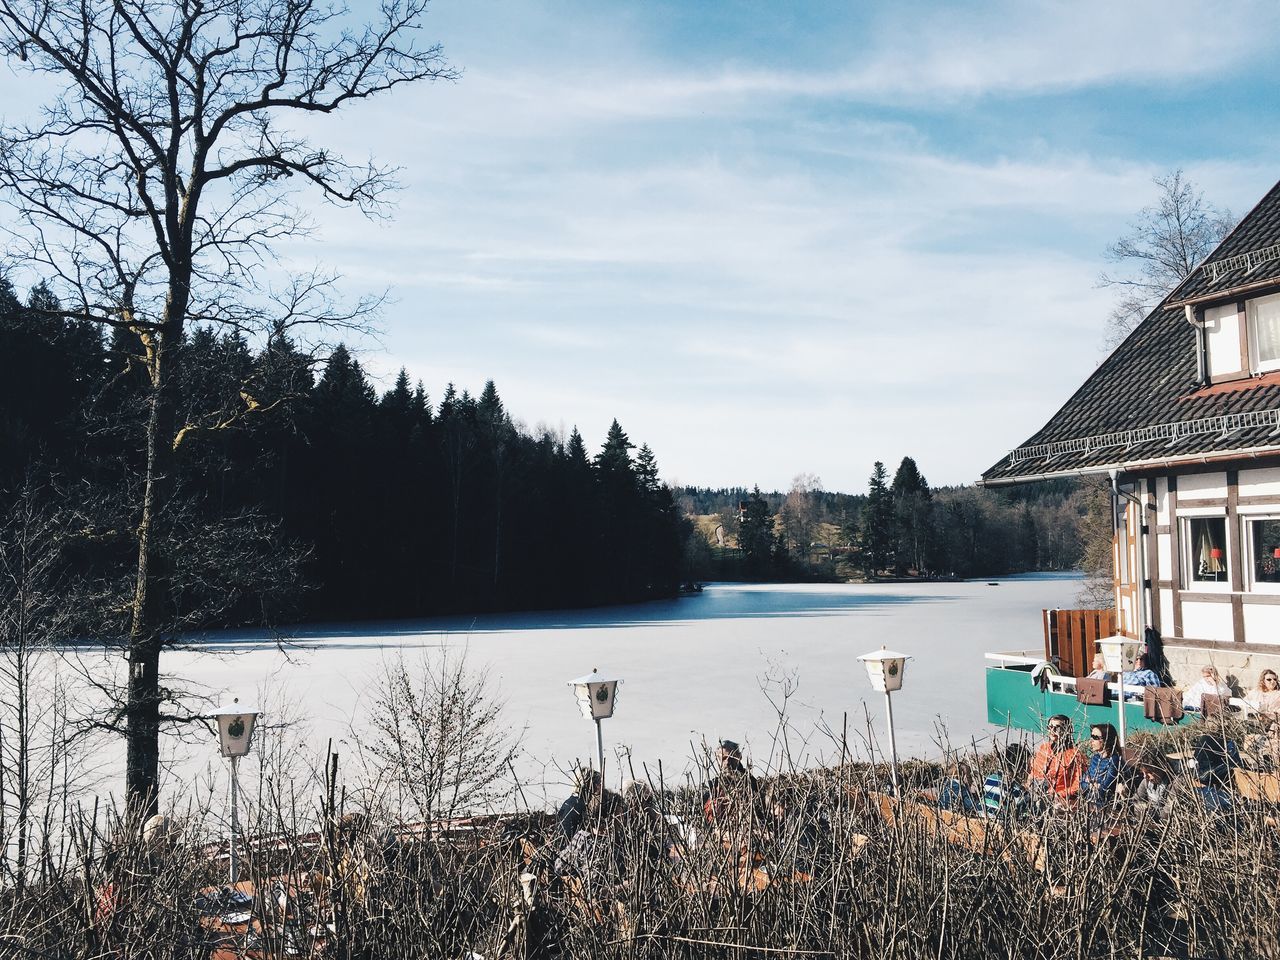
(569, 817)
(1264, 748)
(1002, 791)
(587, 802)
(1099, 671)
(957, 791)
(1056, 767)
(1102, 774)
(1155, 791)
(1209, 682)
(735, 790)
(1141, 675)
(1265, 698)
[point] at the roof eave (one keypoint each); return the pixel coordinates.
(1131, 466)
(1231, 293)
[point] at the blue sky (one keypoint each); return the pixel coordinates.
(784, 238)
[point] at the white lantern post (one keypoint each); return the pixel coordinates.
(596, 696)
(884, 670)
(235, 734)
(1118, 651)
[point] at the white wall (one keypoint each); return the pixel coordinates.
(1201, 486)
(1262, 623)
(1222, 338)
(1206, 621)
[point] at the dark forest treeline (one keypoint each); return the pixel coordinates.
(393, 505)
(901, 527)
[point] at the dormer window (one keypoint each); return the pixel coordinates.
(1264, 333)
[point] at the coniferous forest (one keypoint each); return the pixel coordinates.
(304, 495)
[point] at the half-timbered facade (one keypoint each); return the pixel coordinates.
(1182, 422)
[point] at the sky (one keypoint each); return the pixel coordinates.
(774, 239)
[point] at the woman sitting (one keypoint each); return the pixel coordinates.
(1265, 698)
(1099, 671)
(1209, 683)
(1102, 774)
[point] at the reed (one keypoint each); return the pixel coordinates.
(815, 863)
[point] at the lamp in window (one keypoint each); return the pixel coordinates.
(596, 695)
(1275, 552)
(1216, 553)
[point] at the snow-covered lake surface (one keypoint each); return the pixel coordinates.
(695, 670)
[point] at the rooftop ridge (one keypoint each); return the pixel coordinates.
(1224, 424)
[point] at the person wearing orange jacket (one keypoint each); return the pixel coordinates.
(1056, 766)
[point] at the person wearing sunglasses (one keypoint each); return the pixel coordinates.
(1057, 765)
(1265, 698)
(1106, 764)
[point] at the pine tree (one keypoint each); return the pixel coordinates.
(755, 535)
(876, 532)
(913, 518)
(576, 450)
(615, 454)
(647, 471)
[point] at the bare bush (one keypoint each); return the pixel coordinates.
(438, 743)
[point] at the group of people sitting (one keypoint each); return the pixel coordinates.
(593, 819)
(1263, 698)
(1060, 776)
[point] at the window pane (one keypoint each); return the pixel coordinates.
(1266, 325)
(1265, 537)
(1208, 546)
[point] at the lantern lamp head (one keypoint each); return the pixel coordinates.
(1118, 652)
(885, 669)
(235, 728)
(596, 695)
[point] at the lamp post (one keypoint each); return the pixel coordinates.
(1116, 652)
(596, 696)
(235, 734)
(885, 669)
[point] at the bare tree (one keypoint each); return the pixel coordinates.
(439, 741)
(153, 189)
(1165, 242)
(800, 513)
(39, 740)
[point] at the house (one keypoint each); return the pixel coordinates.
(1182, 421)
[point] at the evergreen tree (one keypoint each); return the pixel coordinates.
(615, 456)
(576, 450)
(755, 535)
(912, 518)
(647, 471)
(877, 528)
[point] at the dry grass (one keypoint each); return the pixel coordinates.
(845, 872)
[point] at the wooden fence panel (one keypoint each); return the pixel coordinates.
(1071, 637)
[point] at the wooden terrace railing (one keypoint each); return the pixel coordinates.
(1071, 637)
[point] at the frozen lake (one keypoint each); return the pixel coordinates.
(695, 669)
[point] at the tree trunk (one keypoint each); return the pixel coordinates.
(146, 634)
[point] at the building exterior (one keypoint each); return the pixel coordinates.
(1182, 421)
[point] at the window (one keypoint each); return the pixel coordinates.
(1206, 549)
(1262, 534)
(1264, 332)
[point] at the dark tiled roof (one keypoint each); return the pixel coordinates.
(1148, 385)
(1229, 267)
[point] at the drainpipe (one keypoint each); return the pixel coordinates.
(1196, 318)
